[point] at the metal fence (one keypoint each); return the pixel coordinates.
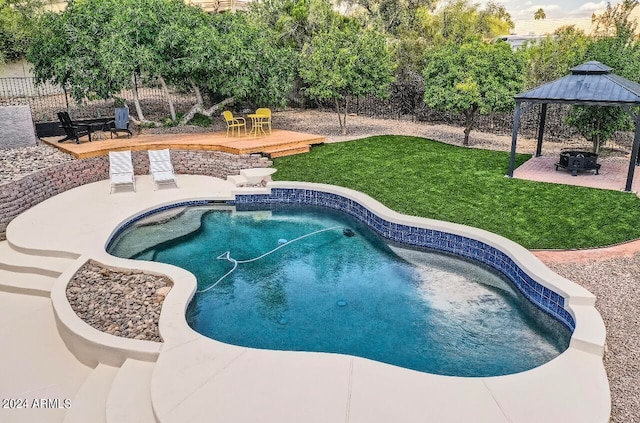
(404, 103)
(46, 100)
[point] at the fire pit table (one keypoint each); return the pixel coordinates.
(578, 161)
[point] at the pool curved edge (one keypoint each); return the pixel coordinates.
(199, 379)
(486, 247)
(573, 386)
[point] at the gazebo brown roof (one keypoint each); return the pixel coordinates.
(589, 84)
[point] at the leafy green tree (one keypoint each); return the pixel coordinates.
(133, 44)
(539, 14)
(552, 57)
(294, 22)
(392, 16)
(597, 123)
(97, 47)
(344, 63)
(460, 21)
(65, 49)
(616, 20)
(472, 78)
(17, 20)
(235, 59)
(615, 45)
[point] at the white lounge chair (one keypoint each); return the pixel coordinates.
(161, 168)
(121, 169)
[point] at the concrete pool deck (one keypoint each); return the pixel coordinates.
(193, 378)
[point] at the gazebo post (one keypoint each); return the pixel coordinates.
(543, 118)
(634, 155)
(514, 139)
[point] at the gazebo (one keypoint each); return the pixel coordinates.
(589, 84)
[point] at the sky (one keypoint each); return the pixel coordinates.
(554, 9)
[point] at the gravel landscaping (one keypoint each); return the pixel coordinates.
(15, 163)
(121, 303)
(128, 303)
(616, 284)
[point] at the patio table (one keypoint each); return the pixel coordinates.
(257, 120)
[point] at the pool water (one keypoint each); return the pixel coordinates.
(356, 295)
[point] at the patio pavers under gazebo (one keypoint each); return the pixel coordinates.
(589, 84)
(612, 175)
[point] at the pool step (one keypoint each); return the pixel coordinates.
(26, 283)
(129, 399)
(35, 363)
(18, 262)
(237, 180)
(89, 404)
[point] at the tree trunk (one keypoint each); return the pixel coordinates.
(136, 100)
(196, 108)
(218, 106)
(468, 124)
(339, 116)
(597, 140)
(344, 119)
(172, 110)
(66, 99)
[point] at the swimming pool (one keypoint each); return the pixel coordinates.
(361, 295)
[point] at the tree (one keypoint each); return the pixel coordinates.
(392, 16)
(459, 21)
(295, 22)
(95, 48)
(472, 78)
(65, 49)
(135, 43)
(17, 19)
(539, 14)
(616, 20)
(234, 59)
(343, 63)
(597, 123)
(552, 57)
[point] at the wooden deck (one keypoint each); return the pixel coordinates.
(280, 143)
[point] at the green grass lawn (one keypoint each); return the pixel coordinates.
(421, 177)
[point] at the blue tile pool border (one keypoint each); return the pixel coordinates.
(547, 300)
(542, 297)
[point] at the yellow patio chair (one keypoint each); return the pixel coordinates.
(234, 122)
(266, 117)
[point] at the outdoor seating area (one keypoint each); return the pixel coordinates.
(94, 129)
(73, 130)
(611, 173)
(121, 172)
(276, 144)
(260, 120)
